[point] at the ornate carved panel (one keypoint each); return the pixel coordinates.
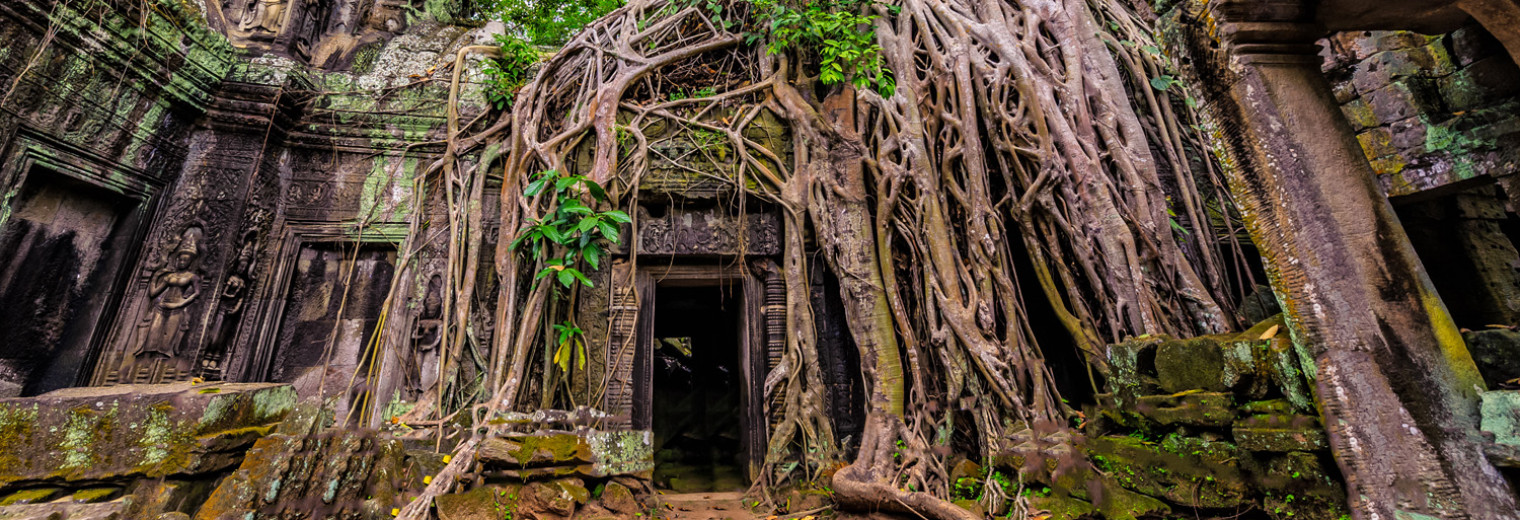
(623, 343)
(707, 231)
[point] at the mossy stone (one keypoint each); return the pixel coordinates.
(1196, 364)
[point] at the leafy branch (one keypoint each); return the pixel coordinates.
(569, 234)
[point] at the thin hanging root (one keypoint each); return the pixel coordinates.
(1010, 124)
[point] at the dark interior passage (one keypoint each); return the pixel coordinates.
(1461, 239)
(60, 254)
(697, 410)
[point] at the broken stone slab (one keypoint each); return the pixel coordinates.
(1189, 408)
(535, 450)
(1280, 433)
(131, 431)
(585, 453)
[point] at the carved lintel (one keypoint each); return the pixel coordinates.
(708, 231)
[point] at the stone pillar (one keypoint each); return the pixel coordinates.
(1396, 386)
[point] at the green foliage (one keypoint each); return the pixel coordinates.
(571, 345)
(547, 22)
(1164, 82)
(510, 71)
(569, 234)
(840, 32)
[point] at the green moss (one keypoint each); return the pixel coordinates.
(29, 496)
(93, 495)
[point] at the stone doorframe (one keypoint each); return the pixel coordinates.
(29, 150)
(630, 354)
(253, 361)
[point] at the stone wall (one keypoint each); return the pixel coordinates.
(1429, 111)
(1215, 426)
(181, 162)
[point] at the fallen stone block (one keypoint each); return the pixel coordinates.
(133, 431)
(1280, 433)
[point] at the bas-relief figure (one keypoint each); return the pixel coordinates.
(234, 296)
(171, 289)
(427, 334)
(262, 18)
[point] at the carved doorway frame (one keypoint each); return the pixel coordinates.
(258, 355)
(630, 393)
(30, 151)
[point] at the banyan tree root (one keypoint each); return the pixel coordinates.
(1013, 135)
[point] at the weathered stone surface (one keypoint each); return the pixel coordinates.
(1276, 432)
(619, 499)
(490, 502)
(535, 450)
(338, 474)
(116, 510)
(1195, 364)
(1500, 410)
(1190, 408)
(1132, 368)
(1184, 472)
(131, 431)
(1497, 353)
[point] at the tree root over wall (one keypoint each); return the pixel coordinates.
(1032, 123)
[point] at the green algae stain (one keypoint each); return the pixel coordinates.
(157, 435)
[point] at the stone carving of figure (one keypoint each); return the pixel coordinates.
(263, 16)
(171, 289)
(427, 334)
(234, 295)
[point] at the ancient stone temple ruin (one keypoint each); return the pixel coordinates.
(367, 259)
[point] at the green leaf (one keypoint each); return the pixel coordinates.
(535, 187)
(565, 278)
(1162, 82)
(617, 216)
(593, 255)
(562, 357)
(597, 192)
(609, 231)
(576, 273)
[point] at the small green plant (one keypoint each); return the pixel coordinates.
(569, 234)
(507, 73)
(710, 141)
(704, 92)
(571, 345)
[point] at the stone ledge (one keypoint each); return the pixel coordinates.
(134, 431)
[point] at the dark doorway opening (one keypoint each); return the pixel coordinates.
(698, 407)
(63, 247)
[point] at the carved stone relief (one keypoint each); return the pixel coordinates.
(160, 336)
(233, 299)
(709, 231)
(421, 365)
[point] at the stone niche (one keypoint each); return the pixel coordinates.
(66, 241)
(332, 304)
